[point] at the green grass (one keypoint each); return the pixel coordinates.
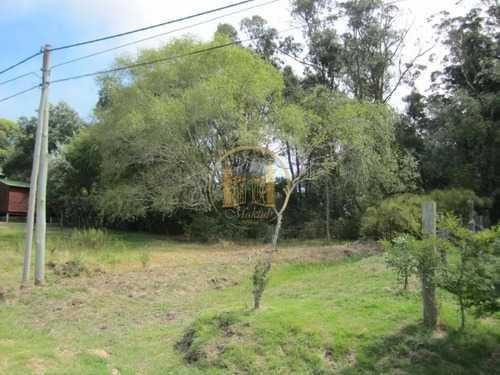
(189, 312)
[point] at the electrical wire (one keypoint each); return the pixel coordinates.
(19, 93)
(141, 64)
(21, 76)
(152, 27)
(158, 60)
(127, 33)
(149, 62)
(21, 62)
(158, 35)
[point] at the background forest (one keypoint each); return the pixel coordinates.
(159, 126)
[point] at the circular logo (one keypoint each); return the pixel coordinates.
(249, 184)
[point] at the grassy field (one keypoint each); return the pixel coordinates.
(141, 304)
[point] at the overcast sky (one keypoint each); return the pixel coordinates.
(27, 25)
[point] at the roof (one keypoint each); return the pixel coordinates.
(15, 183)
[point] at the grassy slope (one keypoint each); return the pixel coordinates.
(188, 314)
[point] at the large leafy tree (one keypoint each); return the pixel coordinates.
(168, 122)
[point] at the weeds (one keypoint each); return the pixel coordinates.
(89, 239)
(145, 259)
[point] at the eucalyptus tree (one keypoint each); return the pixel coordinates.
(356, 46)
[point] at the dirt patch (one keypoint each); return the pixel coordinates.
(70, 268)
(37, 365)
(421, 355)
(223, 282)
(328, 358)
(100, 353)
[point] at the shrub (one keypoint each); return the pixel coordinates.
(313, 228)
(203, 229)
(348, 226)
(399, 256)
(403, 214)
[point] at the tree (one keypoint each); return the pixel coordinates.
(266, 42)
(352, 143)
(366, 59)
(74, 172)
(8, 132)
(456, 128)
(473, 273)
(168, 122)
(228, 30)
(64, 123)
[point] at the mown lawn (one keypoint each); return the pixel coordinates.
(150, 305)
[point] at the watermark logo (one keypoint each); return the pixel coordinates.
(243, 185)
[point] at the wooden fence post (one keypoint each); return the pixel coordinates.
(428, 287)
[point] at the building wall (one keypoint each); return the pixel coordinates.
(4, 198)
(18, 200)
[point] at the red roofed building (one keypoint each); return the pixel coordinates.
(14, 196)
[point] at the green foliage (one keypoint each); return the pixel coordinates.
(204, 229)
(403, 214)
(473, 270)
(399, 256)
(64, 124)
(361, 56)
(347, 226)
(166, 124)
(408, 256)
(8, 132)
(454, 131)
(260, 277)
(145, 259)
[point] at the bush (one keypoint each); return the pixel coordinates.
(347, 227)
(399, 257)
(313, 228)
(403, 214)
(203, 229)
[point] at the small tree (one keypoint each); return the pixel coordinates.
(260, 275)
(472, 273)
(474, 269)
(400, 258)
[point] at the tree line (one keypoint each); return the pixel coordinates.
(143, 162)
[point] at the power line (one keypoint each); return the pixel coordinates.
(128, 32)
(19, 93)
(149, 62)
(158, 35)
(21, 76)
(157, 61)
(20, 62)
(152, 27)
(141, 64)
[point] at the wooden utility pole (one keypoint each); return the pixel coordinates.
(43, 119)
(428, 287)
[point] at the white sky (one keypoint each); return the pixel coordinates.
(26, 25)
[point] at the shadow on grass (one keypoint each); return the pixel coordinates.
(418, 350)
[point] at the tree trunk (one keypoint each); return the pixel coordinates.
(327, 210)
(428, 288)
(289, 156)
(462, 310)
(429, 303)
(259, 289)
